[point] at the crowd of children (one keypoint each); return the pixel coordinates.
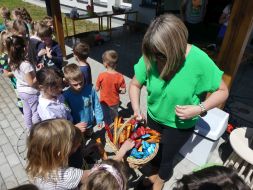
(61, 106)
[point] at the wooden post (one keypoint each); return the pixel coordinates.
(236, 38)
(56, 14)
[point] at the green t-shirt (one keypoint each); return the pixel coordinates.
(198, 74)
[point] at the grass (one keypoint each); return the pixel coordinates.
(37, 13)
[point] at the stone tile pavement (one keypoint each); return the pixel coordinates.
(12, 139)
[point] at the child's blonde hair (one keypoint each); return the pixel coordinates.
(111, 173)
(48, 20)
(49, 147)
(5, 13)
(72, 72)
(44, 31)
(35, 26)
(110, 57)
(3, 36)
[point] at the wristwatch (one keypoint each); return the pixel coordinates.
(203, 110)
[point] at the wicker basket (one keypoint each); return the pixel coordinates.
(131, 160)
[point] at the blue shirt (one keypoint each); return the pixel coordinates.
(86, 74)
(84, 105)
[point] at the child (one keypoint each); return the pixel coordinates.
(110, 83)
(212, 178)
(49, 51)
(20, 28)
(81, 53)
(223, 20)
(50, 144)
(25, 75)
(5, 14)
(16, 14)
(34, 42)
(5, 69)
(111, 173)
(51, 102)
(82, 99)
(48, 20)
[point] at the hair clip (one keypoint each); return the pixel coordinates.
(11, 38)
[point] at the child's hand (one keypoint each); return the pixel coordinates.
(127, 145)
(122, 90)
(42, 52)
(49, 52)
(100, 125)
(82, 126)
(40, 66)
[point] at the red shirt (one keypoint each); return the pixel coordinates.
(109, 85)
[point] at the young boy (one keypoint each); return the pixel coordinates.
(49, 51)
(111, 84)
(81, 53)
(81, 98)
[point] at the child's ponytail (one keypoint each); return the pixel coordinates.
(16, 50)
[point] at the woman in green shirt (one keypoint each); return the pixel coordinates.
(175, 74)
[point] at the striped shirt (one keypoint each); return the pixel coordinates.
(67, 178)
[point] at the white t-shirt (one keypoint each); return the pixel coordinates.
(52, 109)
(68, 178)
(22, 85)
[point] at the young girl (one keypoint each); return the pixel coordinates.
(5, 69)
(111, 172)
(49, 146)
(51, 102)
(25, 75)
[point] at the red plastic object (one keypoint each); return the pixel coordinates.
(230, 128)
(107, 128)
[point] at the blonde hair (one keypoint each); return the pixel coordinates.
(111, 58)
(3, 36)
(95, 178)
(168, 35)
(5, 13)
(72, 72)
(49, 146)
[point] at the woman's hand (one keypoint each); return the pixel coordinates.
(187, 111)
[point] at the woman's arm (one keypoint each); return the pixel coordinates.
(134, 94)
(215, 99)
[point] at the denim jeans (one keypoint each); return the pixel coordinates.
(30, 104)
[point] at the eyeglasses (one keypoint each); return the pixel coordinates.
(160, 57)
